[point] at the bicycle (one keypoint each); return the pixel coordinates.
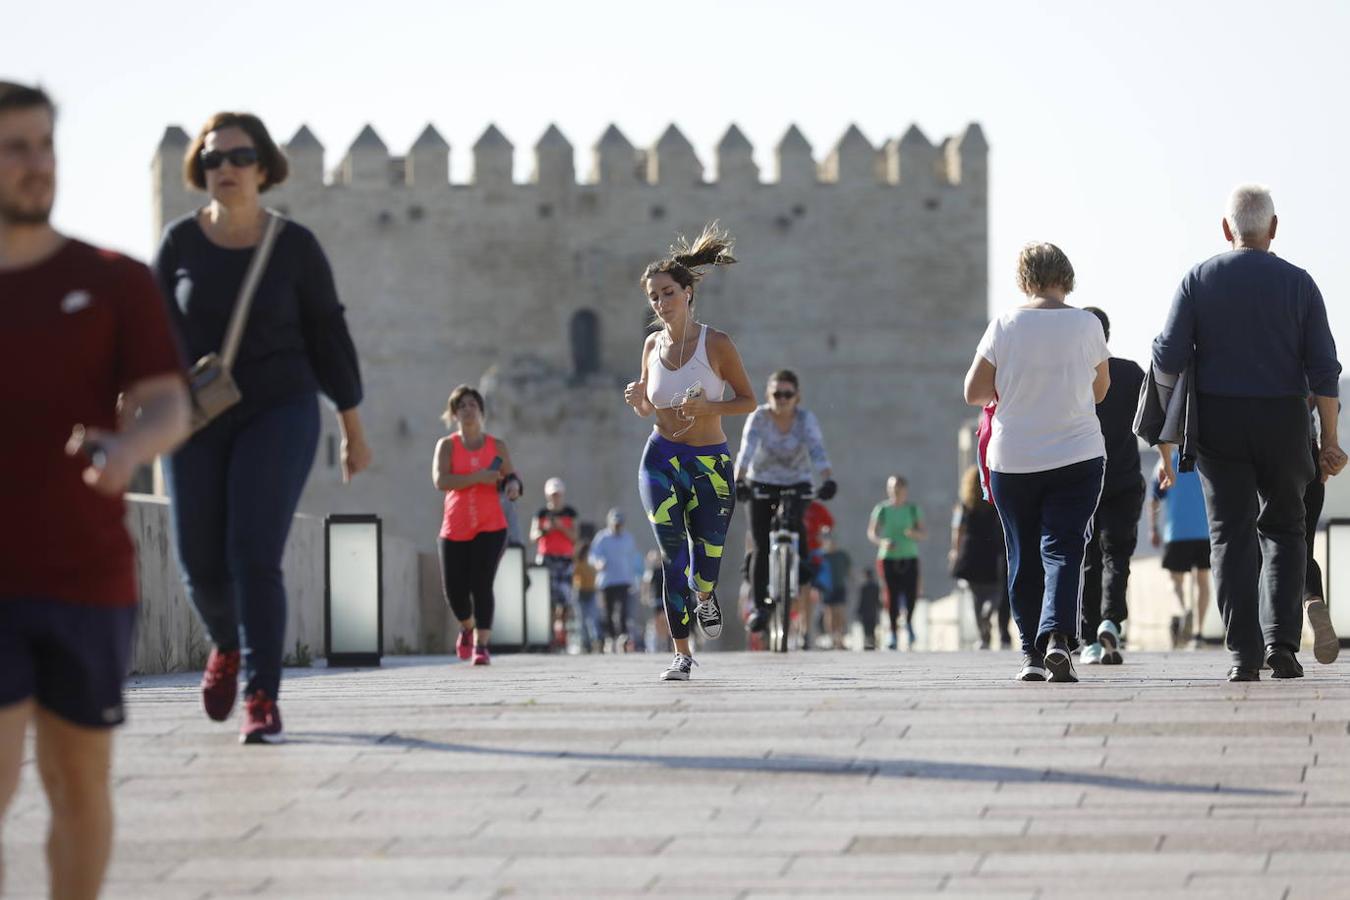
(784, 559)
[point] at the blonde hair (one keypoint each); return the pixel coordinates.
(971, 493)
(1043, 265)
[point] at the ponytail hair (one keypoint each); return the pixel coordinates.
(711, 248)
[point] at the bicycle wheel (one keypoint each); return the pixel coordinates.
(780, 588)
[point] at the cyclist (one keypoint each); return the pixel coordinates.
(685, 475)
(781, 447)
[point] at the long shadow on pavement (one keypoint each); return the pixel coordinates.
(799, 765)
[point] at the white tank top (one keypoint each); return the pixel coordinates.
(664, 387)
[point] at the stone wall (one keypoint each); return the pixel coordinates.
(170, 637)
(866, 271)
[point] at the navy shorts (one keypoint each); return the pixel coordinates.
(70, 658)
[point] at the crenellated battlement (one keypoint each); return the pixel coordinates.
(911, 160)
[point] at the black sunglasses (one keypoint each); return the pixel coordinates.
(239, 157)
(784, 395)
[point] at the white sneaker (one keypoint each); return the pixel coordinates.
(1092, 654)
(1108, 635)
(679, 669)
(1326, 646)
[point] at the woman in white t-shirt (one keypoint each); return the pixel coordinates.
(1045, 365)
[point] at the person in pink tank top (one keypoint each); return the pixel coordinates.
(472, 467)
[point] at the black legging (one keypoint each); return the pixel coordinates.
(761, 521)
(616, 610)
(901, 579)
(468, 569)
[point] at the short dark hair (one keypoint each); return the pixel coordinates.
(270, 157)
(786, 375)
(21, 96)
(1101, 317)
(457, 397)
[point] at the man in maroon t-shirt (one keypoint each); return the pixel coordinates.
(79, 329)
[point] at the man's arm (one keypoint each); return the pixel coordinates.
(1330, 454)
(153, 420)
(1174, 347)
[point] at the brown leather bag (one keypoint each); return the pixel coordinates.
(211, 379)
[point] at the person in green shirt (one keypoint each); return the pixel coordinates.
(896, 527)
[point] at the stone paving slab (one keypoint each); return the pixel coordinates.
(818, 774)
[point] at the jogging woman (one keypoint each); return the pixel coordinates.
(685, 476)
(896, 527)
(781, 447)
(471, 466)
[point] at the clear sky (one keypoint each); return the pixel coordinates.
(1116, 130)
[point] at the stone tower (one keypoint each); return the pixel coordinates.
(866, 272)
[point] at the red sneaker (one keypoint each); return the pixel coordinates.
(262, 721)
(220, 683)
(480, 656)
(464, 646)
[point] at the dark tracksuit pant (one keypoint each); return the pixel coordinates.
(1254, 467)
(1115, 530)
(1047, 519)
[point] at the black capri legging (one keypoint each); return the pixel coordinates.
(468, 569)
(900, 579)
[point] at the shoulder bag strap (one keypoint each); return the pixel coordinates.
(239, 317)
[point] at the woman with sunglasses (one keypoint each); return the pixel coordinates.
(235, 485)
(781, 447)
(685, 474)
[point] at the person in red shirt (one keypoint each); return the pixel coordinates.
(816, 520)
(554, 531)
(471, 466)
(91, 382)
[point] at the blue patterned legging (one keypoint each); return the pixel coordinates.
(688, 493)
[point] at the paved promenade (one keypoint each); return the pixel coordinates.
(881, 775)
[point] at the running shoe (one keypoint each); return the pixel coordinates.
(464, 646)
(893, 642)
(1197, 643)
(1033, 668)
(1092, 654)
(679, 669)
(1059, 660)
(708, 618)
(1326, 646)
(758, 619)
(1108, 635)
(262, 721)
(481, 657)
(220, 683)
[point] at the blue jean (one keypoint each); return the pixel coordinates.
(1047, 522)
(234, 488)
(588, 616)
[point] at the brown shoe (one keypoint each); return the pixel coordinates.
(1326, 646)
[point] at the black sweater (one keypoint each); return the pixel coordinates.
(296, 340)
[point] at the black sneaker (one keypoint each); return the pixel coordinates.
(1033, 668)
(758, 619)
(1283, 663)
(1058, 659)
(708, 618)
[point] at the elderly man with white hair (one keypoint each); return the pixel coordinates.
(1255, 328)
